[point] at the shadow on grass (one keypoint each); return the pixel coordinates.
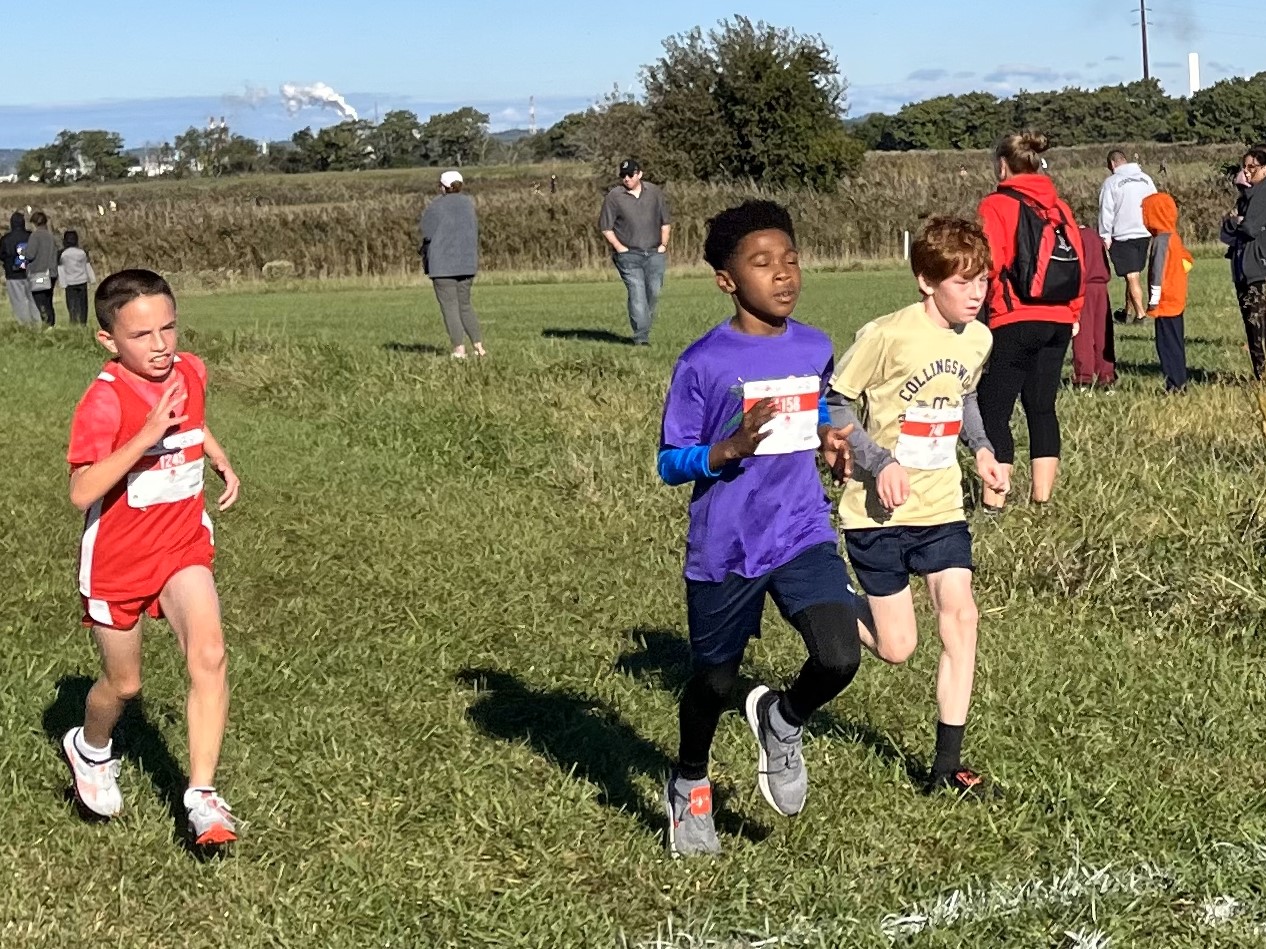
(662, 658)
(585, 737)
(827, 724)
(1195, 375)
(137, 740)
(588, 336)
(417, 349)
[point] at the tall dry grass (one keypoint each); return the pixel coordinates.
(365, 224)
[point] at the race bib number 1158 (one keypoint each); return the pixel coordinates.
(795, 427)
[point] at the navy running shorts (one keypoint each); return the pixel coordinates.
(723, 616)
(884, 558)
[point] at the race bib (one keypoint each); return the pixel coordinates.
(169, 482)
(795, 427)
(929, 437)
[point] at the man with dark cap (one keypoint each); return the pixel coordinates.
(12, 246)
(636, 223)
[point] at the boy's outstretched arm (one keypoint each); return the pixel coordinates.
(90, 483)
(220, 465)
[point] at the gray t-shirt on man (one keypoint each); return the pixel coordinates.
(635, 220)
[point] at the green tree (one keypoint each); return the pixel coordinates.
(92, 154)
(1136, 111)
(214, 152)
(974, 120)
(347, 146)
(398, 140)
(750, 100)
(37, 164)
(561, 141)
(871, 129)
(456, 138)
(617, 127)
(1230, 110)
(100, 154)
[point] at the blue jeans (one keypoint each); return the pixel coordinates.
(643, 274)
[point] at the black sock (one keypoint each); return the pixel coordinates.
(949, 748)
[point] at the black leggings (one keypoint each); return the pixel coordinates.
(1027, 361)
(1252, 299)
(44, 303)
(829, 631)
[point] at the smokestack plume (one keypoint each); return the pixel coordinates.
(318, 94)
(1193, 73)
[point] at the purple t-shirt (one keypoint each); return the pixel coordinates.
(765, 510)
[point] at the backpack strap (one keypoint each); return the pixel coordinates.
(1033, 205)
(1008, 272)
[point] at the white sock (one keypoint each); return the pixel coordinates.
(90, 752)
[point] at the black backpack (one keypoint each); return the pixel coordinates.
(1046, 268)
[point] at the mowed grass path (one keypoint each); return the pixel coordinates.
(453, 597)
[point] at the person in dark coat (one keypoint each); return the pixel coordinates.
(13, 255)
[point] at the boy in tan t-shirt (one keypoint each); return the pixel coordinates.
(915, 373)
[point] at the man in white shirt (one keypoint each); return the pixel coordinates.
(1121, 227)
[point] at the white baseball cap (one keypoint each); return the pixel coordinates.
(450, 178)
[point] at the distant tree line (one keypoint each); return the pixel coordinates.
(743, 101)
(400, 140)
(1233, 110)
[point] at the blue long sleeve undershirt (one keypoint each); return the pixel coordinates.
(682, 465)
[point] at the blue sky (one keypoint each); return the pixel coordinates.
(153, 75)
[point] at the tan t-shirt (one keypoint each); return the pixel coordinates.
(911, 376)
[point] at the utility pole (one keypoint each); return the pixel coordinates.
(1147, 68)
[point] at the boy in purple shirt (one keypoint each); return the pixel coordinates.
(743, 420)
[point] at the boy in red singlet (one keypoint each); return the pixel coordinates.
(137, 444)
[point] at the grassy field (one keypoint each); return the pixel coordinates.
(453, 598)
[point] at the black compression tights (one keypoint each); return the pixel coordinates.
(829, 631)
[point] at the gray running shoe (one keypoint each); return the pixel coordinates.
(690, 828)
(780, 773)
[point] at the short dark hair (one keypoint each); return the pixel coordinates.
(70, 239)
(1116, 157)
(39, 219)
(1257, 153)
(119, 289)
(727, 230)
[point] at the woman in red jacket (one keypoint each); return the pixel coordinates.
(1030, 338)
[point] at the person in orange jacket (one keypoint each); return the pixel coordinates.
(1167, 267)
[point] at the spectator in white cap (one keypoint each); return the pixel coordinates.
(636, 223)
(450, 257)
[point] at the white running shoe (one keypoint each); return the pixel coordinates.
(210, 820)
(96, 782)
